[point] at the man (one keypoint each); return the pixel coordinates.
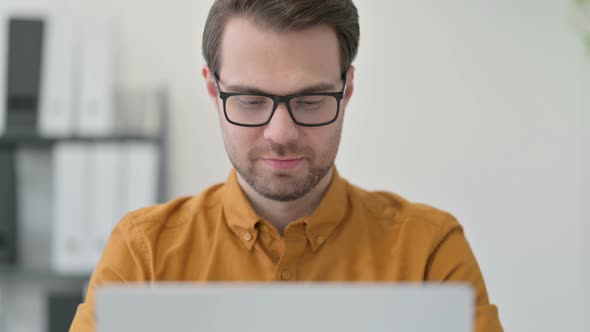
(280, 75)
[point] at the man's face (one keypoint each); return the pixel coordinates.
(281, 160)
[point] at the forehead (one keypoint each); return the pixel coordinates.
(278, 61)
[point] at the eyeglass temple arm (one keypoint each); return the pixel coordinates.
(216, 80)
(345, 78)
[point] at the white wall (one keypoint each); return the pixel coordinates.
(477, 107)
(483, 117)
(586, 220)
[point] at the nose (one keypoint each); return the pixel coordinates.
(281, 129)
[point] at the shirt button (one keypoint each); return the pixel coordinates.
(247, 236)
(320, 240)
(285, 275)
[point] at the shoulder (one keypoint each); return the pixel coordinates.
(172, 214)
(399, 211)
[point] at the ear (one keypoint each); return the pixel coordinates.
(210, 83)
(349, 84)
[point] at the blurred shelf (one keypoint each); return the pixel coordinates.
(11, 274)
(38, 140)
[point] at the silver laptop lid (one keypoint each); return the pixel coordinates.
(290, 307)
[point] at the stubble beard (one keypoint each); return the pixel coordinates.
(282, 186)
(285, 186)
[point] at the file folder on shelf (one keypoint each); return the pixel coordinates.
(34, 178)
(142, 161)
(107, 190)
(25, 11)
(7, 207)
(96, 82)
(123, 179)
(25, 46)
(71, 220)
(56, 115)
(72, 196)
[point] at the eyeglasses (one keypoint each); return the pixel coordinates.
(305, 109)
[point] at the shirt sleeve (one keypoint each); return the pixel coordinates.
(452, 260)
(123, 260)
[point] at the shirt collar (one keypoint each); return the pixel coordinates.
(242, 219)
(331, 211)
(239, 213)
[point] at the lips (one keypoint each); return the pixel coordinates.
(283, 164)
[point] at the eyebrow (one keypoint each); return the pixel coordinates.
(315, 88)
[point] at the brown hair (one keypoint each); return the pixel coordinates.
(284, 15)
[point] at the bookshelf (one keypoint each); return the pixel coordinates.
(46, 282)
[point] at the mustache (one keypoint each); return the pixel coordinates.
(280, 150)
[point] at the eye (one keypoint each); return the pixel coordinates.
(309, 102)
(253, 101)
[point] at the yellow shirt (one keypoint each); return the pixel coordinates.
(353, 235)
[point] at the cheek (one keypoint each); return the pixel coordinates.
(324, 142)
(239, 140)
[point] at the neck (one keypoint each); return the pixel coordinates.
(280, 214)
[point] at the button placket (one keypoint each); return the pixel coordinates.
(295, 243)
(285, 275)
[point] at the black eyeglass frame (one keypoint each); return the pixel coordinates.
(282, 99)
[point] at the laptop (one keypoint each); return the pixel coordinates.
(309, 307)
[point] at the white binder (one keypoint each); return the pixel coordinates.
(71, 218)
(96, 81)
(107, 191)
(142, 161)
(96, 184)
(57, 104)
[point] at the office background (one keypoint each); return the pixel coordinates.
(481, 108)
